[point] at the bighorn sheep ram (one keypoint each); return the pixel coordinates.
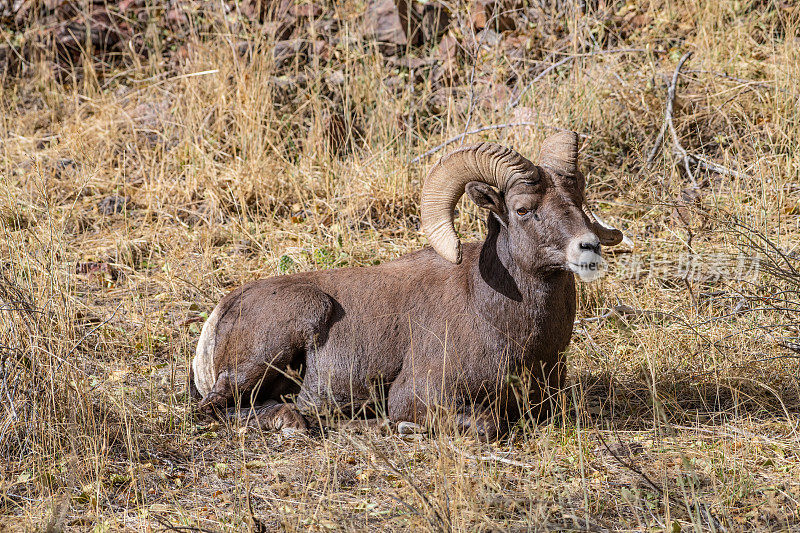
(442, 329)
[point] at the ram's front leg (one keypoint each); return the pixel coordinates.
(546, 389)
(484, 425)
(271, 416)
(417, 404)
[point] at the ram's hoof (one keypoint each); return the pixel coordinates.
(293, 432)
(284, 418)
(409, 428)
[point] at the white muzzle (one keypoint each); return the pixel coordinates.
(584, 259)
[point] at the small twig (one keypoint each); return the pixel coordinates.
(13, 411)
(489, 457)
(254, 525)
(765, 84)
(10, 294)
(163, 522)
(16, 52)
(98, 326)
(538, 77)
(442, 523)
(711, 519)
(621, 310)
(472, 74)
(768, 244)
(684, 155)
(567, 59)
(583, 523)
(627, 465)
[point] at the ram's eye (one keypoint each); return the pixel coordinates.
(522, 211)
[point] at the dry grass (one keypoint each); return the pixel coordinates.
(229, 177)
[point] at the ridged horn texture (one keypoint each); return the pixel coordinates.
(559, 152)
(487, 162)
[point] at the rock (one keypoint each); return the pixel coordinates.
(488, 37)
(99, 271)
(286, 51)
(52, 5)
(65, 167)
(383, 24)
(310, 10)
(22, 10)
(524, 114)
(151, 114)
(340, 133)
(435, 20)
(279, 30)
(447, 57)
(336, 132)
(493, 14)
(128, 5)
(335, 78)
(175, 15)
(322, 49)
(287, 83)
(415, 65)
(410, 21)
(267, 10)
(105, 31)
(687, 208)
(111, 205)
(411, 62)
(492, 96)
(66, 162)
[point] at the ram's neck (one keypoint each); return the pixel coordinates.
(516, 300)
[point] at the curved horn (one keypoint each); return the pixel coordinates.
(487, 162)
(559, 152)
(608, 235)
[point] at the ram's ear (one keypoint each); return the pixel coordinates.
(487, 197)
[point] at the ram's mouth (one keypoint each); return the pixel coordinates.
(588, 271)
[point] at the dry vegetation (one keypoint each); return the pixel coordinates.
(145, 176)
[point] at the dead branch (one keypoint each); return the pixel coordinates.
(167, 526)
(687, 159)
(489, 457)
(712, 520)
(713, 167)
(793, 346)
(668, 111)
(726, 76)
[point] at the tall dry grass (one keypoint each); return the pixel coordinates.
(135, 193)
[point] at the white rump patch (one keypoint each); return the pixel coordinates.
(203, 363)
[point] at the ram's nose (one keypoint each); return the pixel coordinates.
(588, 242)
(590, 245)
